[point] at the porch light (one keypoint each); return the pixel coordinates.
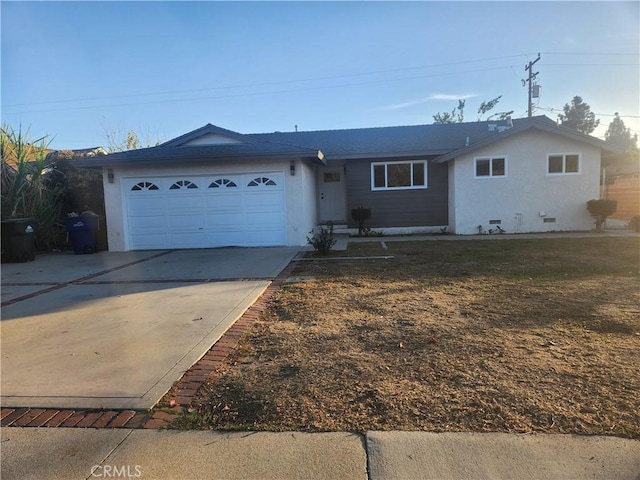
(110, 177)
(292, 167)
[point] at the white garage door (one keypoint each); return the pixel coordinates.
(213, 211)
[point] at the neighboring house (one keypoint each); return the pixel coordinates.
(214, 187)
(53, 155)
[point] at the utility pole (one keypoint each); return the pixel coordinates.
(532, 77)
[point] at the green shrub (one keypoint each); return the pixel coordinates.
(361, 215)
(600, 210)
(322, 239)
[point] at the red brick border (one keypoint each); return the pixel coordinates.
(38, 417)
(183, 392)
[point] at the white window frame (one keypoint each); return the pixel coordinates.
(491, 159)
(386, 178)
(564, 164)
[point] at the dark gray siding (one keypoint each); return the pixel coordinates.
(399, 208)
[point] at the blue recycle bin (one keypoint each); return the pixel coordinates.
(82, 233)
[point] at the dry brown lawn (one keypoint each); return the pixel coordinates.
(514, 335)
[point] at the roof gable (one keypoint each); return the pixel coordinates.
(541, 123)
(208, 135)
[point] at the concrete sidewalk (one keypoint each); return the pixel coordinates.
(40, 453)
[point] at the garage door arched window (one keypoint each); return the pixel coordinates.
(222, 182)
(261, 181)
(183, 184)
(144, 186)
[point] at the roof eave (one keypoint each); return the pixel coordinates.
(164, 159)
(204, 130)
(381, 155)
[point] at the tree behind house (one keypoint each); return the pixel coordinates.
(578, 116)
(619, 135)
(457, 114)
(120, 140)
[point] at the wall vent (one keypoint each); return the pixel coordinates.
(549, 220)
(495, 222)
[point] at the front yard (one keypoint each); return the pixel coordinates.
(514, 335)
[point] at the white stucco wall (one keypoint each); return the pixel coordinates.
(527, 191)
(301, 196)
(299, 202)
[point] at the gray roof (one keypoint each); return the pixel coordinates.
(175, 151)
(435, 139)
(444, 141)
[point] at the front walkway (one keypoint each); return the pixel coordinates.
(505, 236)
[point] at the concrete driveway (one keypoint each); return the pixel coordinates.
(116, 330)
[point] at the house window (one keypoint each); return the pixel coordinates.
(222, 182)
(183, 184)
(261, 181)
(398, 175)
(491, 167)
(563, 164)
(331, 177)
(144, 186)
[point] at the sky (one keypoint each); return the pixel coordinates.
(77, 71)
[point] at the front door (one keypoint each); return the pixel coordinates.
(332, 196)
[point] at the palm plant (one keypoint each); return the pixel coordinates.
(25, 193)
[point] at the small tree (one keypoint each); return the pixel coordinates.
(485, 107)
(620, 136)
(119, 139)
(579, 116)
(452, 117)
(600, 210)
(322, 239)
(490, 105)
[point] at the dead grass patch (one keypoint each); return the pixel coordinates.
(486, 336)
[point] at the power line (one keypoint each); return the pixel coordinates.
(260, 93)
(333, 77)
(591, 53)
(551, 109)
(592, 64)
(264, 84)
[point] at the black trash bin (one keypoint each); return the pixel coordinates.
(18, 240)
(82, 233)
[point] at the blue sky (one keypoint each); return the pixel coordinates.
(75, 69)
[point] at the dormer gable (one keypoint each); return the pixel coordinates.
(209, 135)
